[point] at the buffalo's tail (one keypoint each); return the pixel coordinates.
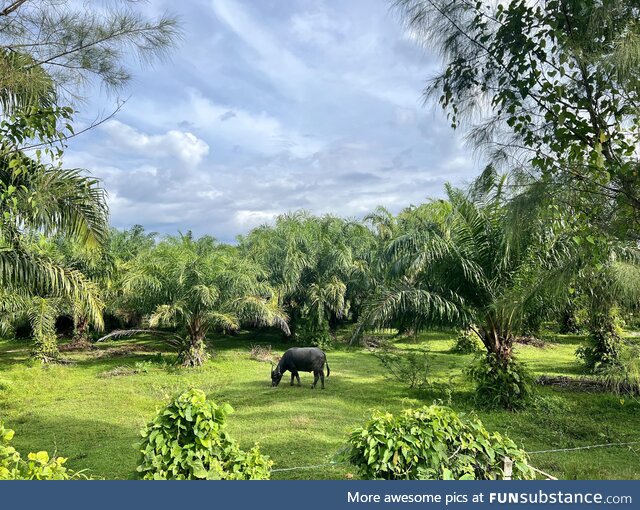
(327, 363)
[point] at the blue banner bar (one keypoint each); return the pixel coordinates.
(319, 495)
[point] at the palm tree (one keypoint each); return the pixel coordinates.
(37, 195)
(472, 262)
(610, 285)
(319, 266)
(197, 285)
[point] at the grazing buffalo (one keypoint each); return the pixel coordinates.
(301, 359)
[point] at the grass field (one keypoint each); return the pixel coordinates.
(86, 413)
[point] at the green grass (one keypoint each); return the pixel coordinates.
(95, 420)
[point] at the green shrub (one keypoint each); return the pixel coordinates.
(623, 377)
(431, 443)
(38, 466)
(605, 345)
(188, 440)
(314, 332)
(410, 368)
(498, 385)
(467, 342)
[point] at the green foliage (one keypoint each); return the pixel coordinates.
(479, 257)
(623, 377)
(75, 44)
(314, 331)
(196, 285)
(561, 82)
(38, 466)
(431, 443)
(410, 368)
(467, 342)
(501, 385)
(320, 267)
(188, 440)
(604, 337)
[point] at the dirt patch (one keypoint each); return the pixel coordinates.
(300, 422)
(119, 372)
(124, 350)
(263, 353)
(532, 341)
(581, 384)
(372, 342)
(78, 345)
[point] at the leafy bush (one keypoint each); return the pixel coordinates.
(431, 443)
(315, 332)
(38, 466)
(188, 440)
(467, 342)
(623, 377)
(410, 368)
(605, 331)
(508, 386)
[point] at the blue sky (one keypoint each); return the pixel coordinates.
(271, 106)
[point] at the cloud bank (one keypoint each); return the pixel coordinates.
(268, 107)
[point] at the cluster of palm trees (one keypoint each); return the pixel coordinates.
(482, 258)
(498, 257)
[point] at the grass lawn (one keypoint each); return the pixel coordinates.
(93, 417)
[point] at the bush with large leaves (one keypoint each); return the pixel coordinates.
(432, 443)
(188, 440)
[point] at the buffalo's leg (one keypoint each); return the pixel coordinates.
(293, 374)
(316, 376)
(322, 379)
(298, 377)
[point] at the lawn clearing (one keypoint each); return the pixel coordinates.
(92, 410)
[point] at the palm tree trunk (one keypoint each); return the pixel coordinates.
(46, 349)
(80, 339)
(568, 319)
(498, 343)
(605, 337)
(194, 354)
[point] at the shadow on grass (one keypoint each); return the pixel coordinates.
(89, 445)
(14, 352)
(555, 338)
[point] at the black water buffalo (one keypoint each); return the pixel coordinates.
(301, 359)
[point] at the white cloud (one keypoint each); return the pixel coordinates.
(270, 107)
(272, 57)
(183, 146)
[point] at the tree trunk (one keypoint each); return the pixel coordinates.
(46, 349)
(568, 320)
(194, 354)
(80, 339)
(499, 343)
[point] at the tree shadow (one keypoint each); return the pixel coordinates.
(89, 445)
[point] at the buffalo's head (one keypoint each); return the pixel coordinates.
(276, 376)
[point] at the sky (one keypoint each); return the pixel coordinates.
(271, 106)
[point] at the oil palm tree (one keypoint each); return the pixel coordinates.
(37, 195)
(475, 264)
(320, 268)
(195, 286)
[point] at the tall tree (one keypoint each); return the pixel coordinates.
(476, 262)
(552, 87)
(319, 266)
(70, 44)
(49, 51)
